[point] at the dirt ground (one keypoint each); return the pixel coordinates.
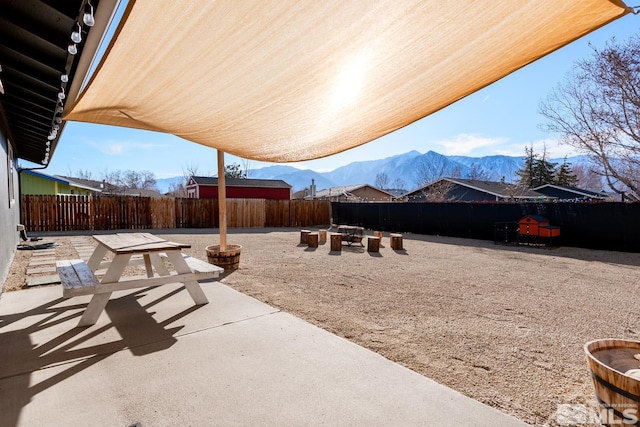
(504, 325)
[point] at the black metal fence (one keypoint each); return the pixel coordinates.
(611, 226)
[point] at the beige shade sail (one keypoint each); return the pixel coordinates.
(291, 80)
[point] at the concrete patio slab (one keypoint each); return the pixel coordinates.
(154, 358)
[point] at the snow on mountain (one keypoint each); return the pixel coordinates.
(299, 179)
(408, 171)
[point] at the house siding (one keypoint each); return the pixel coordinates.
(9, 208)
(31, 184)
(37, 185)
(369, 194)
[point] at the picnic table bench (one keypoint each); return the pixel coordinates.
(80, 278)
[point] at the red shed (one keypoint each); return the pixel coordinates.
(205, 187)
(530, 224)
(536, 229)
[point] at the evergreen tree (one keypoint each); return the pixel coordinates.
(544, 171)
(565, 175)
(537, 170)
(234, 171)
(527, 172)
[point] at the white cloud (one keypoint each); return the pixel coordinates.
(478, 146)
(468, 145)
(554, 148)
(113, 149)
(119, 148)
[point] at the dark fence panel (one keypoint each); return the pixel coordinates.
(612, 226)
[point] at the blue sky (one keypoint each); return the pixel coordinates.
(499, 119)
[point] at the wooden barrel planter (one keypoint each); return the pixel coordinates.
(312, 240)
(336, 242)
(373, 244)
(395, 239)
(614, 365)
(229, 259)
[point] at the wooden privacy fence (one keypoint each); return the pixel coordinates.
(71, 212)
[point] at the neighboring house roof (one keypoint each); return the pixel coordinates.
(499, 189)
(395, 192)
(300, 194)
(61, 179)
(346, 190)
(579, 192)
(87, 183)
(140, 192)
(241, 182)
(100, 187)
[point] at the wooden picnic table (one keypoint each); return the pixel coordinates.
(351, 234)
(79, 278)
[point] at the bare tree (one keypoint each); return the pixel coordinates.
(118, 181)
(587, 178)
(177, 189)
(113, 182)
(80, 174)
(131, 179)
(399, 184)
(430, 172)
(382, 180)
(597, 110)
(439, 191)
(147, 181)
(189, 170)
(478, 173)
(246, 164)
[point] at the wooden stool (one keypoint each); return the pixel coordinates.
(396, 241)
(373, 244)
(378, 234)
(304, 236)
(336, 242)
(312, 240)
(322, 236)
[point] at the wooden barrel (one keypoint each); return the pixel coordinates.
(373, 244)
(312, 240)
(336, 242)
(614, 365)
(229, 259)
(395, 240)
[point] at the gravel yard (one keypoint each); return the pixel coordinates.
(504, 325)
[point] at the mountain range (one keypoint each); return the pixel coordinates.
(404, 171)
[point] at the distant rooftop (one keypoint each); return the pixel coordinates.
(241, 182)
